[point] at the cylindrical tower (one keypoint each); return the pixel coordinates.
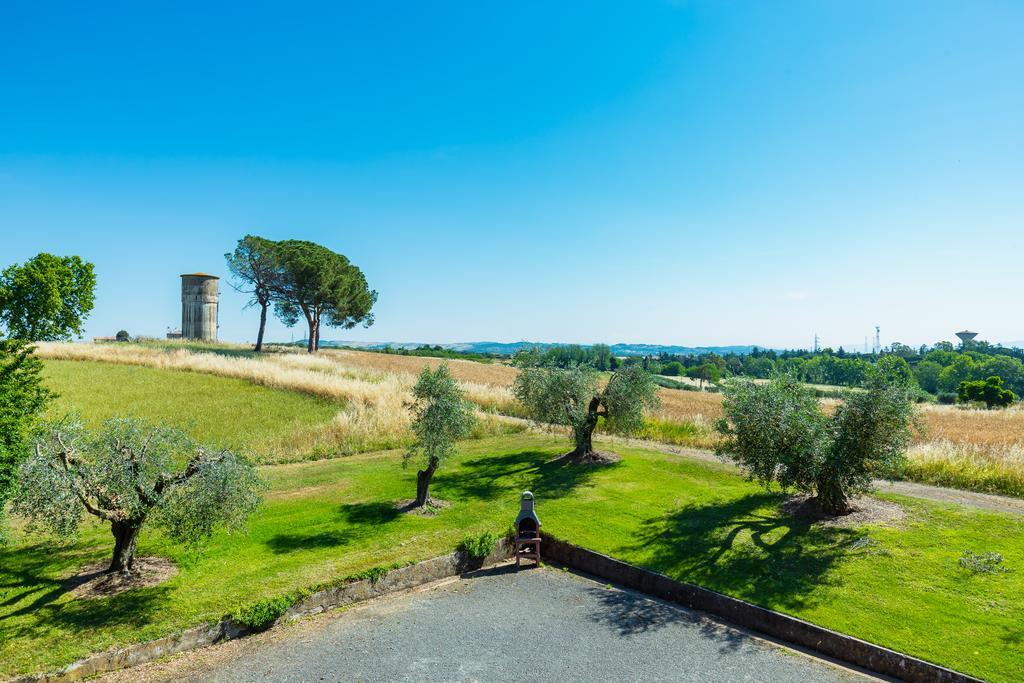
(199, 295)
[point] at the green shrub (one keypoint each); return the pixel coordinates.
(682, 433)
(262, 613)
(373, 574)
(479, 547)
(667, 383)
(673, 369)
(989, 391)
(984, 563)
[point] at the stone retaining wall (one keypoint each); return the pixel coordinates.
(210, 634)
(780, 626)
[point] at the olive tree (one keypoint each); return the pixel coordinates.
(575, 398)
(778, 433)
(127, 475)
(441, 416)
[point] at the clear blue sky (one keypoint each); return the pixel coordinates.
(683, 172)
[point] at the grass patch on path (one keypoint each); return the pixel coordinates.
(901, 586)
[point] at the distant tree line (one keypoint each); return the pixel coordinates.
(938, 370)
(436, 351)
(598, 357)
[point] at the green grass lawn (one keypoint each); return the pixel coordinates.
(900, 587)
(217, 410)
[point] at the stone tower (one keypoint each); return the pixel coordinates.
(199, 294)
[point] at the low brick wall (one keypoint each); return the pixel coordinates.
(780, 626)
(211, 634)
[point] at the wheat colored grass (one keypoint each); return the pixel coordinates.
(965, 447)
(374, 400)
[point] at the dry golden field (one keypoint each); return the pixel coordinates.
(962, 447)
(969, 448)
(373, 402)
(494, 374)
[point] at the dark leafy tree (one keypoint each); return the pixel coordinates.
(893, 369)
(927, 375)
(441, 416)
(22, 400)
(777, 432)
(673, 369)
(705, 372)
(47, 298)
(575, 398)
(123, 336)
(127, 475)
(988, 391)
(322, 287)
(254, 269)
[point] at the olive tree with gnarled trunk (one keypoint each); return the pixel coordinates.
(778, 433)
(126, 475)
(575, 398)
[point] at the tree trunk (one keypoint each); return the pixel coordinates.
(831, 498)
(584, 434)
(125, 536)
(311, 341)
(263, 326)
(316, 345)
(423, 478)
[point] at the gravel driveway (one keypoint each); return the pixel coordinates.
(499, 625)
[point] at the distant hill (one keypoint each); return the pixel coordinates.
(510, 348)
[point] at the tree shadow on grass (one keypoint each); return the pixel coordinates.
(28, 570)
(745, 548)
(492, 476)
(34, 578)
(363, 519)
(373, 512)
(631, 614)
(132, 608)
(281, 544)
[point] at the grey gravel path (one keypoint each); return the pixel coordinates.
(534, 625)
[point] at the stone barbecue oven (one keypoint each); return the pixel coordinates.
(527, 541)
